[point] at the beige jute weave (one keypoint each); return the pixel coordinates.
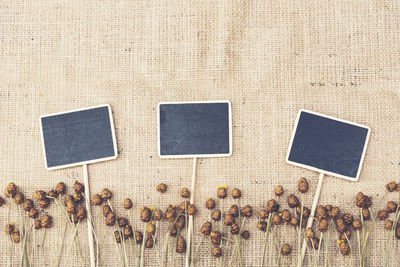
(269, 58)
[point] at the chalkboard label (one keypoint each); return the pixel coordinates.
(78, 137)
(329, 145)
(195, 129)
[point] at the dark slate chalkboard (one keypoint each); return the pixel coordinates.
(331, 145)
(78, 137)
(194, 129)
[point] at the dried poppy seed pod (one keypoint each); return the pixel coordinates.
(391, 187)
(206, 228)
(315, 243)
(234, 211)
(348, 218)
(216, 252)
(345, 235)
(263, 214)
(145, 214)
(71, 207)
(19, 198)
(228, 219)
(366, 214)
(294, 221)
(191, 210)
(340, 225)
(293, 201)
(106, 194)
(79, 187)
(149, 242)
(391, 206)
(162, 188)
(68, 197)
(276, 219)
(278, 190)
(61, 188)
(398, 187)
(150, 228)
(10, 190)
(286, 216)
(272, 206)
(46, 221)
(78, 197)
(323, 225)
(81, 213)
(262, 226)
(128, 203)
(10, 228)
(303, 185)
(344, 248)
(306, 212)
(335, 212)
(110, 218)
(357, 224)
(44, 204)
(215, 238)
(39, 195)
(286, 249)
(97, 200)
(246, 211)
(38, 224)
(180, 222)
(222, 192)
(173, 231)
(185, 193)
(245, 235)
(33, 213)
(236, 193)
(210, 204)
(122, 221)
(180, 245)
(106, 210)
(52, 194)
(28, 204)
(382, 214)
(235, 229)
(183, 206)
(157, 215)
(117, 236)
(16, 237)
(310, 233)
(388, 224)
(138, 237)
(216, 215)
(128, 232)
(367, 202)
(328, 207)
(397, 232)
(321, 213)
(170, 214)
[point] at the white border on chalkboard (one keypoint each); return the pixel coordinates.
(195, 155)
(82, 162)
(324, 171)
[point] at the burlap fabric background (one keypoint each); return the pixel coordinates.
(269, 58)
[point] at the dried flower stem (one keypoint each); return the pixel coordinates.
(299, 231)
(266, 238)
(327, 255)
(391, 235)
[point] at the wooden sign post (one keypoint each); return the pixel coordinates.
(78, 138)
(329, 146)
(192, 130)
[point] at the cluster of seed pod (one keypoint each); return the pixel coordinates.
(391, 207)
(74, 203)
(231, 219)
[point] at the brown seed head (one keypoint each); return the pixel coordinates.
(128, 203)
(340, 225)
(321, 213)
(310, 233)
(71, 206)
(19, 198)
(185, 193)
(388, 225)
(294, 221)
(110, 219)
(46, 221)
(52, 193)
(10, 190)
(391, 206)
(328, 207)
(38, 224)
(277, 219)
(235, 229)
(398, 187)
(128, 232)
(117, 236)
(286, 249)
(263, 214)
(39, 195)
(228, 219)
(10, 228)
(234, 211)
(122, 221)
(78, 197)
(315, 243)
(245, 235)
(97, 200)
(236, 193)
(33, 213)
(382, 214)
(170, 213)
(216, 215)
(216, 252)
(210, 204)
(191, 210)
(183, 206)
(323, 225)
(279, 190)
(173, 231)
(16, 237)
(286, 216)
(162, 188)
(45, 203)
(366, 214)
(345, 235)
(222, 192)
(246, 211)
(68, 197)
(28, 204)
(149, 242)
(293, 201)
(357, 224)
(303, 185)
(180, 245)
(61, 188)
(348, 218)
(360, 200)
(344, 248)
(262, 226)
(397, 232)
(138, 237)
(150, 228)
(79, 187)
(106, 210)
(272, 206)
(145, 214)
(335, 213)
(157, 215)
(206, 228)
(306, 212)
(391, 187)
(215, 238)
(106, 194)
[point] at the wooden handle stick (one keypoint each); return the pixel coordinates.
(311, 218)
(89, 215)
(190, 226)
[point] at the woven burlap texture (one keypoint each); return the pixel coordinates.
(269, 58)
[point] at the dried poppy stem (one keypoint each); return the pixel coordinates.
(122, 259)
(299, 231)
(196, 250)
(62, 244)
(326, 262)
(266, 238)
(319, 249)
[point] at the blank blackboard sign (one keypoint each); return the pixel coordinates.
(195, 129)
(328, 145)
(78, 137)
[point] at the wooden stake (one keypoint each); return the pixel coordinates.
(190, 227)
